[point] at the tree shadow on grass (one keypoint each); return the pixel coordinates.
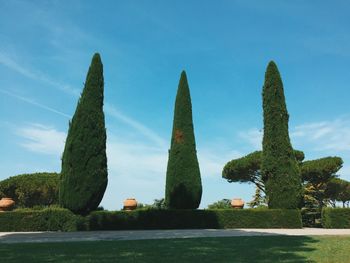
(222, 249)
(252, 249)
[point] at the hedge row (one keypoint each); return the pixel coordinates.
(49, 219)
(59, 219)
(194, 219)
(336, 217)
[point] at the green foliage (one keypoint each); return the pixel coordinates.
(28, 190)
(344, 193)
(247, 169)
(142, 206)
(319, 187)
(280, 168)
(259, 200)
(311, 211)
(299, 156)
(221, 204)
(317, 174)
(335, 217)
(311, 217)
(84, 162)
(338, 190)
(48, 219)
(157, 204)
(321, 170)
(195, 219)
(183, 182)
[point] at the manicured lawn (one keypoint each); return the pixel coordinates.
(231, 249)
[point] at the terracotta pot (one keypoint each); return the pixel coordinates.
(6, 204)
(237, 203)
(130, 204)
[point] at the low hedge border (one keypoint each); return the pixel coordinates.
(336, 217)
(194, 219)
(48, 219)
(59, 219)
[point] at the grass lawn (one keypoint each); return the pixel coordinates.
(227, 249)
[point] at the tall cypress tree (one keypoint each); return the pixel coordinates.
(183, 181)
(279, 166)
(84, 162)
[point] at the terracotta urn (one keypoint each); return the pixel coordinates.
(6, 204)
(237, 203)
(130, 204)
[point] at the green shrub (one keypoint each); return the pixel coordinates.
(84, 161)
(194, 219)
(28, 190)
(311, 217)
(183, 188)
(279, 166)
(336, 217)
(221, 204)
(48, 219)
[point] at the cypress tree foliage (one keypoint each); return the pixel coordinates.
(279, 166)
(183, 182)
(84, 162)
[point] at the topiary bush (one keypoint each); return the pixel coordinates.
(335, 217)
(279, 166)
(194, 219)
(28, 190)
(183, 188)
(48, 219)
(84, 161)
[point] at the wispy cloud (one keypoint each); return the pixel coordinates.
(34, 103)
(34, 74)
(11, 64)
(109, 109)
(140, 160)
(212, 160)
(331, 135)
(42, 139)
(316, 139)
(141, 128)
(253, 137)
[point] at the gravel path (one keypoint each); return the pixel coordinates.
(25, 237)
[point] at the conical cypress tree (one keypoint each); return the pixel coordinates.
(84, 162)
(183, 181)
(279, 166)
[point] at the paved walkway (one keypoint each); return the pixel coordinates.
(25, 237)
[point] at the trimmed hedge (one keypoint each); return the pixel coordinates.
(336, 217)
(48, 219)
(194, 219)
(59, 219)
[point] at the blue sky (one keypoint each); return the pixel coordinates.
(224, 46)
